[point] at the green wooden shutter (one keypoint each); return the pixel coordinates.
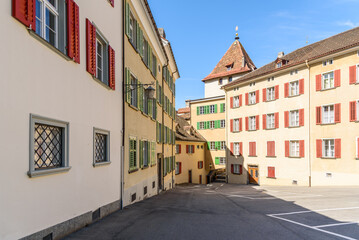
(217, 161)
(130, 155)
(155, 66)
(208, 145)
(215, 108)
(162, 133)
(137, 37)
(197, 125)
(127, 19)
(140, 152)
(155, 113)
(156, 131)
(221, 108)
(157, 94)
(197, 110)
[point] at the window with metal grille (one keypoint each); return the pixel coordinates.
(101, 146)
(133, 154)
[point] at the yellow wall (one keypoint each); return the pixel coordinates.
(189, 161)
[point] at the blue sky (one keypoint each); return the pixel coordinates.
(201, 31)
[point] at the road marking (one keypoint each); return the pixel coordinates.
(320, 210)
(335, 224)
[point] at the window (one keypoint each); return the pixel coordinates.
(252, 123)
(230, 79)
(190, 148)
(252, 98)
(47, 16)
(270, 119)
(211, 109)
(220, 81)
(270, 94)
(279, 65)
(236, 149)
(133, 154)
(294, 148)
(178, 168)
(49, 146)
(145, 51)
(327, 62)
(154, 64)
(223, 145)
(294, 118)
(211, 124)
(328, 148)
(101, 146)
(252, 84)
(252, 149)
(328, 80)
(294, 88)
(222, 161)
(236, 102)
(133, 90)
(201, 125)
(201, 110)
(236, 169)
(328, 114)
(200, 164)
(235, 125)
(144, 153)
(212, 146)
(223, 123)
(133, 30)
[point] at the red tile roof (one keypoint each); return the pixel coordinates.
(184, 110)
(234, 55)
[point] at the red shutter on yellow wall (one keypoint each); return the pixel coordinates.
(268, 148)
(246, 100)
(246, 123)
(257, 96)
(358, 147)
(338, 148)
(91, 48)
(271, 172)
(301, 148)
(73, 31)
(337, 113)
(264, 117)
(319, 115)
(337, 78)
(231, 125)
(286, 90)
(231, 148)
(231, 102)
(319, 148)
(276, 90)
(264, 94)
(286, 119)
(24, 11)
(257, 122)
(180, 167)
(301, 86)
(111, 68)
(352, 74)
(193, 148)
(276, 120)
(240, 124)
(240, 100)
(352, 111)
(301, 117)
(318, 82)
(241, 148)
(179, 148)
(187, 148)
(287, 148)
(254, 148)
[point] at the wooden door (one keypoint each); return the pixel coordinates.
(189, 176)
(200, 179)
(253, 174)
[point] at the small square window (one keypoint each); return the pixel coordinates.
(101, 145)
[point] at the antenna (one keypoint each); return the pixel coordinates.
(306, 42)
(237, 37)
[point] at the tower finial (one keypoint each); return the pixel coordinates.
(237, 37)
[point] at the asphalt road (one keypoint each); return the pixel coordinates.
(224, 211)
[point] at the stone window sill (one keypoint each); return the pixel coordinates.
(101, 164)
(39, 173)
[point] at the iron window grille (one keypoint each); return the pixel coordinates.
(101, 150)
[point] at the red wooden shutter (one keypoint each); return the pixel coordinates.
(232, 168)
(193, 148)
(276, 120)
(301, 148)
(91, 47)
(268, 148)
(231, 124)
(286, 90)
(257, 96)
(352, 111)
(73, 31)
(318, 81)
(358, 147)
(240, 124)
(301, 86)
(199, 165)
(264, 94)
(319, 115)
(337, 113)
(271, 172)
(241, 148)
(273, 148)
(254, 148)
(246, 123)
(187, 148)
(112, 2)
(276, 90)
(24, 11)
(180, 167)
(257, 122)
(246, 100)
(111, 68)
(231, 102)
(231, 148)
(352, 74)
(338, 148)
(319, 148)
(337, 78)
(251, 149)
(180, 148)
(301, 117)
(240, 100)
(286, 119)
(240, 169)
(264, 121)
(287, 148)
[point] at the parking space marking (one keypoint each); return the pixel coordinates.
(266, 197)
(280, 216)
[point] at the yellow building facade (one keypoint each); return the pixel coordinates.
(150, 74)
(293, 121)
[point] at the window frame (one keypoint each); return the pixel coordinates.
(223, 123)
(330, 115)
(252, 124)
(236, 169)
(177, 169)
(46, 5)
(212, 145)
(252, 98)
(201, 110)
(270, 94)
(294, 114)
(36, 119)
(324, 140)
(211, 108)
(236, 102)
(296, 88)
(211, 124)
(103, 132)
(270, 121)
(331, 83)
(177, 148)
(222, 161)
(236, 149)
(222, 145)
(296, 144)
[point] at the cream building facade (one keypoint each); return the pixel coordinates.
(293, 121)
(61, 131)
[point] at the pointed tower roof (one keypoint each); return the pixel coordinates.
(233, 58)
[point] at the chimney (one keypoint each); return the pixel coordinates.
(280, 54)
(162, 32)
(187, 103)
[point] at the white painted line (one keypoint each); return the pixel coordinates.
(320, 210)
(222, 185)
(314, 228)
(335, 224)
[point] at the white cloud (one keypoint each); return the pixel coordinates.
(348, 23)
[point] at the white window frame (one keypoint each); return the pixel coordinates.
(236, 169)
(327, 62)
(201, 110)
(270, 121)
(223, 123)
(223, 145)
(331, 148)
(331, 80)
(294, 88)
(177, 168)
(270, 94)
(211, 124)
(101, 55)
(252, 123)
(212, 145)
(236, 149)
(177, 148)
(252, 98)
(211, 108)
(236, 125)
(235, 101)
(328, 116)
(201, 125)
(200, 164)
(294, 118)
(107, 134)
(190, 148)
(46, 5)
(222, 161)
(294, 148)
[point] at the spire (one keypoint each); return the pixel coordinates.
(237, 37)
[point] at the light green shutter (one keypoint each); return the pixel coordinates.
(197, 125)
(215, 108)
(208, 144)
(141, 153)
(127, 19)
(130, 155)
(217, 161)
(197, 110)
(155, 113)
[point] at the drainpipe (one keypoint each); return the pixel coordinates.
(122, 168)
(309, 161)
(163, 123)
(173, 98)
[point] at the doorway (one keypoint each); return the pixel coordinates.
(159, 170)
(253, 174)
(189, 176)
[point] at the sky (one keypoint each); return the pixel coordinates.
(201, 31)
